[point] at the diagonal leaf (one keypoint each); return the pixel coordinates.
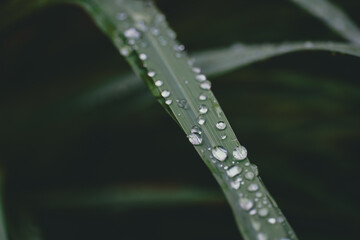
(141, 34)
(333, 16)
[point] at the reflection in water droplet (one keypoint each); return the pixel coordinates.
(165, 93)
(132, 33)
(253, 187)
(201, 120)
(246, 203)
(206, 85)
(168, 101)
(202, 97)
(221, 125)
(203, 109)
(240, 153)
(219, 153)
(232, 172)
(143, 56)
(158, 83)
(195, 138)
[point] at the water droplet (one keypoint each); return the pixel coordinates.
(272, 220)
(246, 203)
(235, 184)
(196, 70)
(219, 153)
(253, 187)
(165, 93)
(168, 101)
(202, 97)
(221, 125)
(223, 137)
(143, 56)
(262, 236)
(249, 175)
(155, 31)
(121, 16)
(162, 41)
(240, 153)
(203, 109)
(206, 85)
(252, 212)
(201, 77)
(263, 212)
(158, 83)
(132, 33)
(181, 103)
(125, 51)
(151, 74)
(201, 120)
(179, 47)
(171, 34)
(178, 55)
(195, 138)
(232, 172)
(196, 129)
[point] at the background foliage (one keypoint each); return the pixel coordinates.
(298, 111)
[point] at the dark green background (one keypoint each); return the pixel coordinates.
(298, 115)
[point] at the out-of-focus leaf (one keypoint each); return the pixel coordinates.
(332, 16)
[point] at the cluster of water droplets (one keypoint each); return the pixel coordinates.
(242, 176)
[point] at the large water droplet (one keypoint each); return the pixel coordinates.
(240, 153)
(195, 138)
(221, 125)
(219, 153)
(232, 172)
(159, 83)
(203, 109)
(246, 203)
(206, 85)
(132, 33)
(165, 93)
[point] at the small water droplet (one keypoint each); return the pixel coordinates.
(155, 31)
(125, 51)
(143, 56)
(201, 77)
(206, 85)
(162, 41)
(181, 103)
(262, 236)
(219, 153)
(240, 153)
(196, 129)
(179, 47)
(165, 93)
(159, 83)
(203, 109)
(201, 120)
(196, 70)
(168, 101)
(141, 26)
(223, 137)
(232, 172)
(263, 212)
(220, 125)
(246, 203)
(249, 175)
(151, 74)
(253, 187)
(171, 34)
(132, 33)
(272, 220)
(195, 138)
(252, 212)
(202, 97)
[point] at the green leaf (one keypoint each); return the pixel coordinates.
(334, 17)
(142, 35)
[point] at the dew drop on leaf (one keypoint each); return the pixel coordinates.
(203, 109)
(151, 74)
(253, 187)
(219, 153)
(246, 203)
(202, 97)
(159, 83)
(221, 125)
(201, 77)
(132, 33)
(206, 85)
(249, 175)
(168, 101)
(232, 172)
(201, 120)
(195, 138)
(143, 56)
(165, 93)
(240, 153)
